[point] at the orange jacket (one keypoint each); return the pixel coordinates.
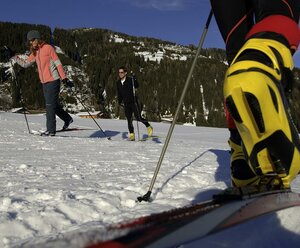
(48, 63)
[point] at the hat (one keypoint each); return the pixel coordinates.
(33, 34)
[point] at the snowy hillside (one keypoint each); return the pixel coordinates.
(62, 191)
(172, 51)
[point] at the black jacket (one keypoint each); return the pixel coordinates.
(125, 90)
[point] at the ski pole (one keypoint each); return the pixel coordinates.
(21, 93)
(146, 197)
(136, 106)
(23, 105)
(109, 138)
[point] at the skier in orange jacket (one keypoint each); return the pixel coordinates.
(51, 72)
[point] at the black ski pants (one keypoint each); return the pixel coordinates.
(236, 17)
(130, 109)
(53, 107)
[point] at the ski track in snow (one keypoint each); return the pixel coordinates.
(80, 182)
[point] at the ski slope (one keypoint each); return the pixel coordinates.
(64, 191)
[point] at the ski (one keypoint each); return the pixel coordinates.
(40, 132)
(35, 132)
(183, 225)
(73, 129)
(153, 137)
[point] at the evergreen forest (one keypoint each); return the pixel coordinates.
(91, 58)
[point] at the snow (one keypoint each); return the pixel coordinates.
(63, 191)
(175, 50)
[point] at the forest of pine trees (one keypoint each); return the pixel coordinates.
(95, 57)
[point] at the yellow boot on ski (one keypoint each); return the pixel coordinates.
(150, 131)
(131, 137)
(255, 99)
(241, 173)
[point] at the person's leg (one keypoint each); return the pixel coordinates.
(138, 116)
(265, 8)
(59, 111)
(50, 96)
(128, 113)
(235, 19)
(255, 97)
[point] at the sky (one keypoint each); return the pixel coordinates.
(179, 21)
(64, 191)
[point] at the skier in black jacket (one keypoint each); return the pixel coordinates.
(260, 36)
(126, 88)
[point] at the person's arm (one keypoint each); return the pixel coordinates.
(25, 63)
(119, 95)
(56, 60)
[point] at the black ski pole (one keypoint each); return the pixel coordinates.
(136, 106)
(23, 105)
(74, 93)
(146, 197)
(14, 77)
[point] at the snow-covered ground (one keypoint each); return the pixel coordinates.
(60, 191)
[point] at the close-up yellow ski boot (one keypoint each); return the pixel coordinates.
(241, 173)
(255, 98)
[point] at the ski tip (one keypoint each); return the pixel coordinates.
(34, 132)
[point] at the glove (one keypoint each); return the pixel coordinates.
(7, 53)
(68, 83)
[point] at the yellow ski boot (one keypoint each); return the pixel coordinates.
(150, 131)
(131, 137)
(241, 173)
(255, 99)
